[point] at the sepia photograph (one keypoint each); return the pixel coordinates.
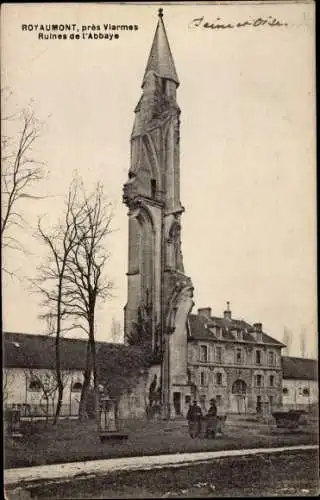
(159, 250)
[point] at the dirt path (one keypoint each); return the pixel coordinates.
(101, 467)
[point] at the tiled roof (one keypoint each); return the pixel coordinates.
(299, 368)
(23, 350)
(201, 327)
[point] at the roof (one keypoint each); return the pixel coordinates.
(202, 327)
(299, 368)
(22, 350)
(160, 59)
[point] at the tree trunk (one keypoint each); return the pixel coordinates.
(86, 386)
(47, 410)
(95, 373)
(58, 360)
(59, 380)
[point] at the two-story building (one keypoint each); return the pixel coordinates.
(235, 362)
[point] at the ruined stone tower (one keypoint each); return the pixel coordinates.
(159, 293)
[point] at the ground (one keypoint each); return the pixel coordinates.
(72, 440)
(281, 474)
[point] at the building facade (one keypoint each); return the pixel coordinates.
(233, 361)
(300, 385)
(30, 381)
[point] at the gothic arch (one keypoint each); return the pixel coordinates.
(146, 253)
(143, 214)
(182, 292)
(174, 229)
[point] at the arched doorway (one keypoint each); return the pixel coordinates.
(239, 397)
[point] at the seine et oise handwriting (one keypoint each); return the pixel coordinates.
(199, 22)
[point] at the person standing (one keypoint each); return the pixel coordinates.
(194, 416)
(212, 419)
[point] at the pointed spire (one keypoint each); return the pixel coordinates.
(160, 59)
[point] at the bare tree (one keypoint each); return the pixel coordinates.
(60, 241)
(86, 281)
(19, 172)
(286, 338)
(115, 331)
(303, 343)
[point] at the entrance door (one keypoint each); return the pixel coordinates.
(239, 397)
(177, 402)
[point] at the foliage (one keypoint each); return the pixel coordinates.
(122, 368)
(141, 333)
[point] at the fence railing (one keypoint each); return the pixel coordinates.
(38, 410)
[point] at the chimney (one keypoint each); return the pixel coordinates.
(257, 332)
(258, 327)
(227, 312)
(205, 311)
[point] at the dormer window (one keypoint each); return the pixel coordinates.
(239, 335)
(203, 353)
(219, 332)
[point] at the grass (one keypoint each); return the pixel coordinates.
(281, 474)
(71, 440)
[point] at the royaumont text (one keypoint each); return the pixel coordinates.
(76, 32)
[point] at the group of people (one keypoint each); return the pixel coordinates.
(195, 417)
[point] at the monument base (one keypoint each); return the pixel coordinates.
(116, 435)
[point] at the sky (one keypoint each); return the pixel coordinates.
(248, 175)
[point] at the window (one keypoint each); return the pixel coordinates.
(35, 386)
(202, 401)
(285, 390)
(259, 380)
(238, 356)
(219, 399)
(219, 354)
(203, 353)
(77, 387)
(271, 380)
(239, 335)
(258, 357)
(219, 332)
(188, 400)
(153, 187)
(202, 378)
(239, 387)
(218, 378)
(306, 391)
(271, 359)
(271, 401)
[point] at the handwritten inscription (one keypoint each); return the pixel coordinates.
(200, 22)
